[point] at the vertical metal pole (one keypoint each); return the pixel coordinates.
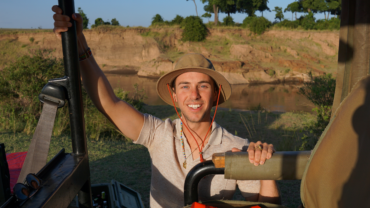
(354, 48)
(75, 105)
(71, 66)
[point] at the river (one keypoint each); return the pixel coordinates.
(273, 97)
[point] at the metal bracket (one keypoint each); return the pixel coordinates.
(64, 81)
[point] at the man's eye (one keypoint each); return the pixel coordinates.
(204, 86)
(184, 87)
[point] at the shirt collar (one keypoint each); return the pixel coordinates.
(216, 132)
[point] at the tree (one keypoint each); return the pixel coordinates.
(177, 20)
(264, 7)
(114, 22)
(335, 7)
(228, 21)
(294, 8)
(251, 6)
(211, 7)
(99, 21)
(321, 6)
(309, 5)
(194, 29)
(279, 13)
(207, 15)
(85, 20)
(214, 6)
(196, 11)
(157, 19)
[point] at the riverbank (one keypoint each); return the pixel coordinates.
(130, 164)
(274, 57)
(272, 97)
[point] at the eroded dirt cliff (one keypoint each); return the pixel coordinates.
(275, 56)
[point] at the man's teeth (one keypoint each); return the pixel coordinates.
(194, 106)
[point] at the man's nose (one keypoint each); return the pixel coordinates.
(194, 94)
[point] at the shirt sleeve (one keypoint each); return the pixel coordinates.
(149, 131)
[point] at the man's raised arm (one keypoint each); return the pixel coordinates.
(128, 120)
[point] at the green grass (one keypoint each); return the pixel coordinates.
(5, 31)
(11, 49)
(130, 164)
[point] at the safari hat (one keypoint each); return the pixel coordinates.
(193, 62)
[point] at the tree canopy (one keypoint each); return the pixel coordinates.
(294, 8)
(114, 22)
(157, 18)
(177, 20)
(279, 13)
(85, 20)
(207, 15)
(233, 6)
(315, 6)
(99, 21)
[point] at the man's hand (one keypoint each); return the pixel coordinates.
(258, 152)
(62, 22)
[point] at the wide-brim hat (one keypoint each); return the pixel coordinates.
(193, 62)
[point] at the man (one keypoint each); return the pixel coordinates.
(176, 146)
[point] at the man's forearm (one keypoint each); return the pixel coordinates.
(94, 80)
(269, 192)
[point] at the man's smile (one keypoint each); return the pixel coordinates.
(194, 106)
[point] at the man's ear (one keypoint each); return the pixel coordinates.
(174, 96)
(215, 94)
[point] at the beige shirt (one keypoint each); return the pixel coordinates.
(162, 138)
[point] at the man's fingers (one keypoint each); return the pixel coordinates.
(58, 24)
(270, 151)
(257, 154)
(59, 30)
(250, 151)
(264, 153)
(254, 152)
(56, 9)
(60, 17)
(77, 17)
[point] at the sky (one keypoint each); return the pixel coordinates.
(29, 14)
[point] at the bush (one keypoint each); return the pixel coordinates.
(20, 84)
(32, 39)
(115, 22)
(308, 22)
(177, 20)
(194, 29)
(288, 24)
(259, 25)
(228, 21)
(332, 24)
(157, 19)
(247, 21)
(22, 81)
(271, 72)
(321, 92)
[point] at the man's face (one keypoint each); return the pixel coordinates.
(195, 94)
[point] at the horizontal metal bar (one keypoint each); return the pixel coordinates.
(288, 165)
